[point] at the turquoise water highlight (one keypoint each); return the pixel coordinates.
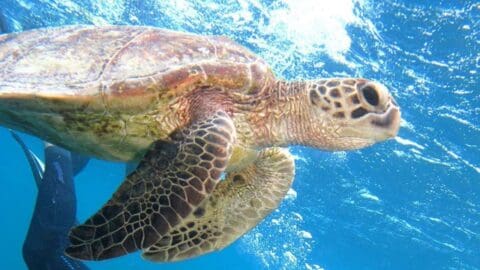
(409, 203)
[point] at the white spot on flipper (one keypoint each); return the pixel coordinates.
(59, 171)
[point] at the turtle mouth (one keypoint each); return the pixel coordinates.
(389, 122)
(374, 126)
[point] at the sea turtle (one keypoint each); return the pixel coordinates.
(192, 110)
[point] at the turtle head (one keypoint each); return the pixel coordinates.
(350, 114)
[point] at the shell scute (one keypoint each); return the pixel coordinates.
(60, 56)
(124, 67)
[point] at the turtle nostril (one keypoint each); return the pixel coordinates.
(371, 95)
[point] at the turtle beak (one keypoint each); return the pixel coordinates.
(382, 121)
(389, 122)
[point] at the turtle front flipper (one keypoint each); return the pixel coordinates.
(236, 206)
(170, 183)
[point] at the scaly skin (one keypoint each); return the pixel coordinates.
(298, 113)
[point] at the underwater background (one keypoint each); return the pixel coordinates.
(410, 203)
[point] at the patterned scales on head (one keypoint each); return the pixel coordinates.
(192, 110)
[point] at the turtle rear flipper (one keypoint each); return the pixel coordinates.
(236, 206)
(170, 183)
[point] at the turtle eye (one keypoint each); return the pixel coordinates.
(370, 95)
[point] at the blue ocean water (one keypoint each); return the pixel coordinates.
(409, 203)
